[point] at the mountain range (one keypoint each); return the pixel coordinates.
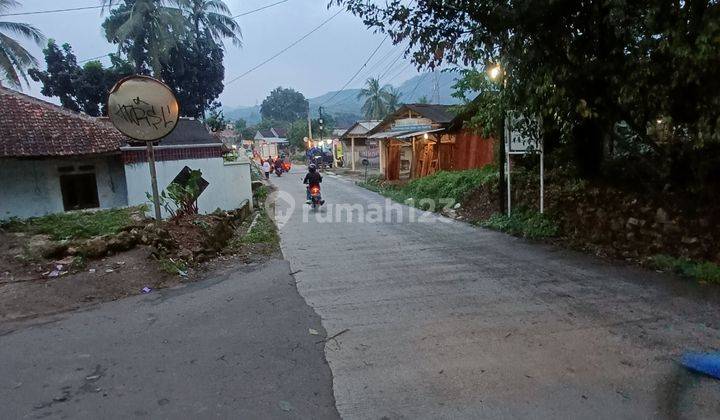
(346, 102)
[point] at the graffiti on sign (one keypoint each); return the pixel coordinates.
(143, 108)
(140, 112)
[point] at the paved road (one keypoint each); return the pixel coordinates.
(449, 321)
(235, 346)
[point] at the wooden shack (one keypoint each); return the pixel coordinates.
(420, 139)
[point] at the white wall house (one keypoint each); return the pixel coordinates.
(35, 187)
(54, 160)
(229, 183)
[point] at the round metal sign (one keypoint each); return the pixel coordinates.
(143, 108)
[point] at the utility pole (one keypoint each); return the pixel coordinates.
(310, 138)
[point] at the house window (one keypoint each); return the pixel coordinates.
(79, 191)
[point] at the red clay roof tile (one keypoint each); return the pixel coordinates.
(32, 127)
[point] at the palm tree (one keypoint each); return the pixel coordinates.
(392, 99)
(15, 60)
(209, 20)
(146, 30)
(375, 106)
(212, 19)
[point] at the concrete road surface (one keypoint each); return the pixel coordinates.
(446, 320)
(234, 347)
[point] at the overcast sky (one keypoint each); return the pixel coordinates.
(322, 62)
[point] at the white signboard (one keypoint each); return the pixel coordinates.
(143, 108)
(522, 134)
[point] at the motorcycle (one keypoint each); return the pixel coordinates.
(279, 171)
(315, 199)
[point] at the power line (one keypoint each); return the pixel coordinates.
(346, 99)
(41, 12)
(286, 48)
(388, 68)
(417, 85)
(399, 72)
(259, 9)
(77, 9)
(106, 55)
(358, 71)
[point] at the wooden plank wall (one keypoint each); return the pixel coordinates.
(393, 163)
(471, 151)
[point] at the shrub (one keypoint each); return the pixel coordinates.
(700, 270)
(443, 185)
(523, 222)
(76, 225)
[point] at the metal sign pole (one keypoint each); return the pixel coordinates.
(542, 181)
(508, 143)
(509, 190)
(153, 180)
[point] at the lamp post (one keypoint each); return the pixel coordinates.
(496, 74)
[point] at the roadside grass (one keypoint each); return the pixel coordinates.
(75, 225)
(263, 231)
(261, 193)
(523, 222)
(173, 266)
(702, 271)
(426, 192)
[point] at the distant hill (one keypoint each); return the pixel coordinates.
(346, 102)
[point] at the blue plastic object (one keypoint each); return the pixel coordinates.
(707, 363)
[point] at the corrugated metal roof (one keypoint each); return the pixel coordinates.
(361, 127)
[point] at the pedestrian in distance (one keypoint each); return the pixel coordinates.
(266, 168)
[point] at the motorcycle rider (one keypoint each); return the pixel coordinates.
(278, 164)
(312, 178)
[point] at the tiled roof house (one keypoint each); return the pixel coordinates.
(53, 160)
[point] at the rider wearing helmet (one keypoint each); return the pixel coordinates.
(312, 178)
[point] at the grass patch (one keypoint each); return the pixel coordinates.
(263, 231)
(75, 225)
(261, 193)
(702, 271)
(448, 186)
(173, 266)
(522, 222)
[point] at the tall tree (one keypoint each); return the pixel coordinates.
(15, 60)
(284, 104)
(195, 72)
(215, 120)
(393, 99)
(145, 30)
(211, 19)
(78, 88)
(209, 23)
(375, 105)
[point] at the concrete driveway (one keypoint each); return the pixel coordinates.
(445, 320)
(234, 346)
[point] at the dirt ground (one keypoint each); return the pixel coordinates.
(29, 290)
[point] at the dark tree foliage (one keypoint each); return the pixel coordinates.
(136, 45)
(195, 72)
(215, 120)
(586, 67)
(78, 88)
(285, 105)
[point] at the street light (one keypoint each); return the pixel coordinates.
(495, 72)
